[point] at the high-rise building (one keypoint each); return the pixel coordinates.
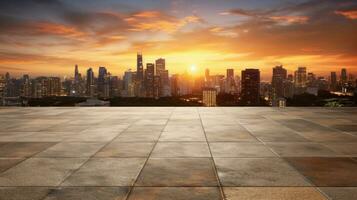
(311, 79)
(2, 88)
(90, 86)
(139, 67)
(26, 86)
(333, 81)
(250, 87)
(157, 86)
(209, 97)
(217, 82)
(76, 82)
(300, 80)
(106, 86)
(129, 83)
(174, 85)
(161, 71)
(76, 73)
(300, 77)
(277, 84)
(160, 66)
(47, 86)
(230, 73)
(149, 79)
(230, 86)
(165, 84)
(343, 77)
(114, 86)
(102, 74)
(139, 85)
(53, 86)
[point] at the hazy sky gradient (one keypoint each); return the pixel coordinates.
(48, 37)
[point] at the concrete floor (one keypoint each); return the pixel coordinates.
(178, 153)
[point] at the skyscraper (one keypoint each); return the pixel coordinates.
(102, 80)
(149, 79)
(54, 86)
(161, 71)
(26, 86)
(343, 78)
(300, 80)
(250, 94)
(2, 88)
(76, 73)
(129, 83)
(333, 81)
(157, 86)
(90, 87)
(278, 78)
(174, 85)
(230, 86)
(160, 66)
(139, 67)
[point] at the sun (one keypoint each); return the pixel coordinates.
(193, 69)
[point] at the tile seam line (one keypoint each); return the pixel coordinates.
(223, 196)
(148, 157)
(27, 158)
(88, 158)
(292, 166)
(278, 156)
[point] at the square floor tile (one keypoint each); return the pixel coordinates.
(178, 172)
(276, 193)
(23, 193)
(88, 193)
(106, 172)
(40, 172)
(23, 149)
(340, 193)
(327, 171)
(300, 149)
(126, 149)
(181, 149)
(257, 172)
(175, 193)
(71, 149)
(7, 163)
(239, 149)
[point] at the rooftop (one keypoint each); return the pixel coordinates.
(178, 153)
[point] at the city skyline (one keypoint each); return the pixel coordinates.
(153, 81)
(49, 37)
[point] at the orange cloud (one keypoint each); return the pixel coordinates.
(157, 21)
(290, 19)
(57, 29)
(352, 14)
(147, 14)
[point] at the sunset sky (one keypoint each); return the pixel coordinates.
(48, 37)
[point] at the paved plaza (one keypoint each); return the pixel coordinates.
(178, 153)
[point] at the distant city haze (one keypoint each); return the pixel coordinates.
(50, 37)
